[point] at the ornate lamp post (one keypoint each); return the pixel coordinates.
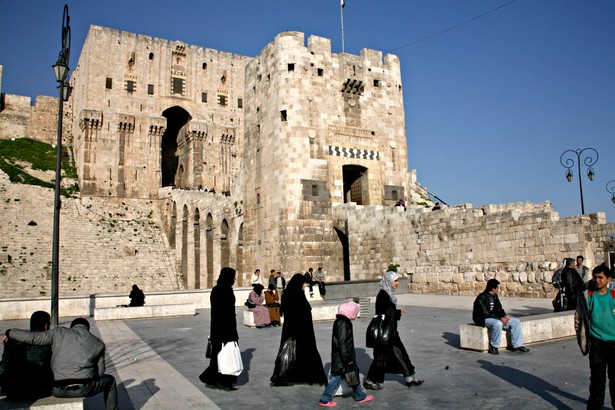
(610, 187)
(589, 159)
(60, 69)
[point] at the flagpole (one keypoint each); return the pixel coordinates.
(342, 18)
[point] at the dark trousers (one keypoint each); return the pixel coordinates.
(601, 364)
(105, 384)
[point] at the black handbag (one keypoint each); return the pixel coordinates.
(249, 304)
(209, 348)
(285, 361)
(380, 332)
(351, 375)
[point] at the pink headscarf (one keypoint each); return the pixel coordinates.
(348, 309)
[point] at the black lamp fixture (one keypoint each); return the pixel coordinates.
(567, 159)
(60, 70)
(610, 187)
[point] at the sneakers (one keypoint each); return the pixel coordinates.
(493, 350)
(521, 349)
(329, 403)
(366, 399)
(368, 384)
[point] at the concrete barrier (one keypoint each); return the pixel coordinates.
(140, 312)
(47, 403)
(535, 328)
(320, 313)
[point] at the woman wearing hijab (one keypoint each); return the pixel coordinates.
(272, 300)
(223, 329)
(394, 358)
(307, 364)
(261, 314)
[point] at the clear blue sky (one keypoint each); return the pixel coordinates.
(490, 105)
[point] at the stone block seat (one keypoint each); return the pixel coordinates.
(321, 311)
(536, 328)
(142, 312)
(47, 403)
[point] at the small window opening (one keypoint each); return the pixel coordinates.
(151, 56)
(150, 89)
(291, 67)
(131, 86)
(204, 97)
(376, 83)
(314, 190)
(204, 66)
(283, 116)
(109, 83)
(240, 103)
(222, 100)
(320, 72)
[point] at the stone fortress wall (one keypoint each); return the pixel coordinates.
(304, 167)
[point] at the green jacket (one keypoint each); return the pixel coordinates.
(582, 319)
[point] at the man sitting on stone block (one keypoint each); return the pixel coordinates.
(25, 370)
(488, 312)
(77, 361)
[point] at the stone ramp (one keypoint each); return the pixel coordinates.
(151, 383)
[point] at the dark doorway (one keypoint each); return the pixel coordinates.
(355, 184)
(346, 253)
(176, 117)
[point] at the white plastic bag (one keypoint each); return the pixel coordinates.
(229, 359)
(344, 389)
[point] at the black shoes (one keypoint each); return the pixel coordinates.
(521, 349)
(368, 384)
(414, 383)
(226, 388)
(493, 350)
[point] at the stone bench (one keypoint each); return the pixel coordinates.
(536, 328)
(47, 403)
(320, 313)
(142, 312)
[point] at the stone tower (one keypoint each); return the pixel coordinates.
(148, 113)
(320, 129)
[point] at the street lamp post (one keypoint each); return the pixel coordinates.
(60, 69)
(567, 161)
(610, 187)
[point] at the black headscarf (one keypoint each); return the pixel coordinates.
(258, 288)
(293, 291)
(226, 278)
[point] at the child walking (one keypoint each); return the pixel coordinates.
(343, 360)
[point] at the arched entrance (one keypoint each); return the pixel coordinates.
(176, 117)
(197, 249)
(355, 184)
(345, 252)
(209, 250)
(224, 247)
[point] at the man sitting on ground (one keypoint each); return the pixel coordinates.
(488, 312)
(77, 361)
(25, 370)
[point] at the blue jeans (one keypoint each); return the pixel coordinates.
(334, 383)
(495, 326)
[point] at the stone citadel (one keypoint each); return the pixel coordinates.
(190, 159)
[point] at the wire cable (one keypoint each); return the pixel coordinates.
(453, 27)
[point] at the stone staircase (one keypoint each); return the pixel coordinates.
(106, 244)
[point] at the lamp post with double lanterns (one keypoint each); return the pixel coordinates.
(567, 159)
(610, 187)
(60, 69)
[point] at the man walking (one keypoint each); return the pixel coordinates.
(595, 327)
(582, 269)
(77, 361)
(488, 312)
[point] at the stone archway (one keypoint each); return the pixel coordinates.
(197, 249)
(355, 184)
(176, 117)
(225, 254)
(209, 250)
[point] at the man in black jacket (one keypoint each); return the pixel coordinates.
(25, 370)
(488, 312)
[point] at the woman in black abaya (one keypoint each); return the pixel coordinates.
(223, 329)
(297, 312)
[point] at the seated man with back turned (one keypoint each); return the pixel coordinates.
(488, 312)
(25, 370)
(77, 361)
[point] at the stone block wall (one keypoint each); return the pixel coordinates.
(456, 250)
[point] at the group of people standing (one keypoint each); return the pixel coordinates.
(570, 279)
(298, 360)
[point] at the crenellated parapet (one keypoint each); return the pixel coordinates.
(90, 120)
(126, 123)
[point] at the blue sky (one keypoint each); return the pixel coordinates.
(490, 105)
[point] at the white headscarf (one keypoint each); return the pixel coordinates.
(385, 284)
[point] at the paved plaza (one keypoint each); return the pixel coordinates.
(157, 363)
